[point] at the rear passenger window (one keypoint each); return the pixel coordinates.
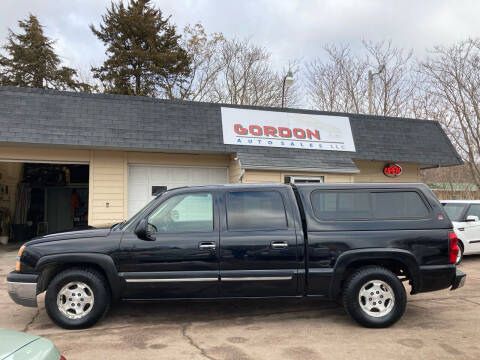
(255, 210)
(398, 205)
(341, 205)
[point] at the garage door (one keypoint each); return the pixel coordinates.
(143, 178)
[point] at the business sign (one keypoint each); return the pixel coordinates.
(392, 170)
(286, 130)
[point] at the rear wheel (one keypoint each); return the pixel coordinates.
(374, 297)
(77, 298)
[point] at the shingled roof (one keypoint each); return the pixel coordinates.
(102, 121)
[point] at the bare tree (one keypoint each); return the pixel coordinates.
(340, 83)
(247, 77)
(393, 88)
(86, 76)
(451, 182)
(206, 64)
(229, 71)
(451, 81)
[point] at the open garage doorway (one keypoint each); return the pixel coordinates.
(42, 198)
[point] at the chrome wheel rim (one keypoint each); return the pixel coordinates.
(376, 298)
(75, 300)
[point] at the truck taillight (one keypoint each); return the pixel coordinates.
(453, 244)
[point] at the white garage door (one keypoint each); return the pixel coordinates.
(141, 179)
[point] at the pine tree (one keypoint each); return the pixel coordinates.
(143, 50)
(32, 62)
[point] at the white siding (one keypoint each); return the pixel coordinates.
(141, 178)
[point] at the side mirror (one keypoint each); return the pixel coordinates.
(472, 218)
(142, 231)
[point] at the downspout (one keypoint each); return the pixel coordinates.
(242, 173)
(240, 178)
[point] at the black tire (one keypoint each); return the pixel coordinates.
(351, 292)
(101, 293)
(460, 252)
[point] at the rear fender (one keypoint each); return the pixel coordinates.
(373, 256)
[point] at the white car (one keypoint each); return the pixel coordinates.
(465, 217)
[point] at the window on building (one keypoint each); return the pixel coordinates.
(397, 205)
(341, 205)
(255, 210)
(183, 213)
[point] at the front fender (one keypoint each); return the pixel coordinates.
(374, 256)
(103, 261)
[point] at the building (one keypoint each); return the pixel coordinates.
(96, 159)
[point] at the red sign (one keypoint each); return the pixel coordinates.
(392, 170)
(284, 132)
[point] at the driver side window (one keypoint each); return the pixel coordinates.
(183, 213)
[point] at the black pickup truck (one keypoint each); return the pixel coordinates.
(353, 243)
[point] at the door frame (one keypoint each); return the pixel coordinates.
(186, 278)
(267, 276)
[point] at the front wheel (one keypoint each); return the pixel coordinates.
(77, 298)
(374, 297)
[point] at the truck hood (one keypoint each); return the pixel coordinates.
(70, 235)
(12, 341)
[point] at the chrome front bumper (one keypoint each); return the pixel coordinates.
(23, 289)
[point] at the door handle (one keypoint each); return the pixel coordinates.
(279, 244)
(461, 229)
(207, 245)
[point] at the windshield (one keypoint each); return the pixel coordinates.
(454, 211)
(136, 216)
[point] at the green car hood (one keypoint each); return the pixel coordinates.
(18, 346)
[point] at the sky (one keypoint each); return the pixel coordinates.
(289, 29)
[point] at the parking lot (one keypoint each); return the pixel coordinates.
(436, 325)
